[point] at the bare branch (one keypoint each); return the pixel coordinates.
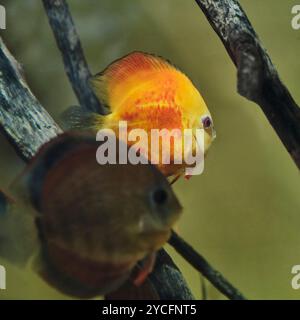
(23, 120)
(258, 79)
(70, 47)
(200, 264)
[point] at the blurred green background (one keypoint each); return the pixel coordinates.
(243, 213)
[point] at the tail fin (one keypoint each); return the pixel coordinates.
(17, 232)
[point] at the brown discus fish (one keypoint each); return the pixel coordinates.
(92, 223)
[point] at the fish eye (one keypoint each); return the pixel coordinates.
(206, 121)
(160, 196)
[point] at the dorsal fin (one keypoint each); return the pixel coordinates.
(124, 74)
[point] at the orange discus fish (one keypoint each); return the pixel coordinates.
(149, 93)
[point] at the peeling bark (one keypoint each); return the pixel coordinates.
(22, 118)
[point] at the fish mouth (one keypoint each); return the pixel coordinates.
(174, 217)
(154, 240)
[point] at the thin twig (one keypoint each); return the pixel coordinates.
(258, 79)
(203, 287)
(200, 264)
(70, 47)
